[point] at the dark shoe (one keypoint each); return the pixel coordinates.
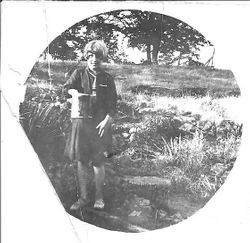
(80, 203)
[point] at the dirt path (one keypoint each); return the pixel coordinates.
(138, 204)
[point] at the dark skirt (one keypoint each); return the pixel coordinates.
(84, 143)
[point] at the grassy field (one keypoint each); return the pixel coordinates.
(215, 82)
(174, 123)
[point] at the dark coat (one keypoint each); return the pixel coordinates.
(83, 142)
(106, 97)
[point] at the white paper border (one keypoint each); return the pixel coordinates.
(226, 217)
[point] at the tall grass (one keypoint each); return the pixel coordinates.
(197, 165)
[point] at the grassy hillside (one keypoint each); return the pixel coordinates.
(161, 80)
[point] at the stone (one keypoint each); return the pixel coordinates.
(206, 125)
(189, 119)
(187, 127)
(132, 138)
(162, 214)
(176, 121)
(135, 214)
(132, 130)
(125, 135)
(140, 210)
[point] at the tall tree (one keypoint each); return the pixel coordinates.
(156, 33)
(150, 32)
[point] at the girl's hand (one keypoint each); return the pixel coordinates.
(104, 125)
(75, 93)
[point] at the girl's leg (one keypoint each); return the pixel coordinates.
(82, 179)
(99, 172)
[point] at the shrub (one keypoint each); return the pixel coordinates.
(193, 163)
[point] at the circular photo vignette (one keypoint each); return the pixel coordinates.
(175, 135)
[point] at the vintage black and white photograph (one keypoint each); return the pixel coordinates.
(133, 122)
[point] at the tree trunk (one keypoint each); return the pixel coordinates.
(155, 57)
(149, 54)
(179, 60)
(156, 42)
(156, 48)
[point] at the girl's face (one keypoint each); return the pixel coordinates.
(94, 61)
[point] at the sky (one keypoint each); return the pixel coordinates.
(135, 55)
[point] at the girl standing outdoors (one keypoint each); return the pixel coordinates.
(94, 100)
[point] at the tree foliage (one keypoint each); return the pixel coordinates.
(158, 35)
